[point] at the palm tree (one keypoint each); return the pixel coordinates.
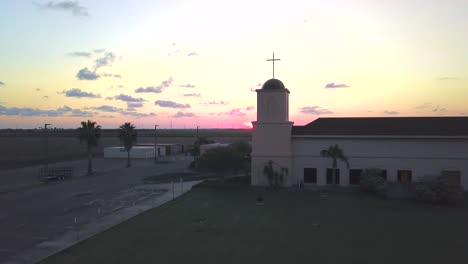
(90, 132)
(127, 136)
(335, 153)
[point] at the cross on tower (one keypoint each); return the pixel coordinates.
(273, 60)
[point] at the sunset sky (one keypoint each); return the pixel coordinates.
(198, 62)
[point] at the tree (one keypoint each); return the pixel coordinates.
(335, 153)
(127, 136)
(198, 142)
(244, 150)
(220, 160)
(89, 132)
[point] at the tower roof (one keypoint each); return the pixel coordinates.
(273, 84)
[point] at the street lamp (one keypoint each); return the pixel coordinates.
(155, 144)
(46, 147)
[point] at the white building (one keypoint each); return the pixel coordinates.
(406, 148)
(136, 152)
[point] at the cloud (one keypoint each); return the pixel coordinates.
(72, 6)
(115, 87)
(254, 88)
(85, 74)
(216, 103)
(149, 89)
(106, 60)
(335, 85)
(26, 111)
(182, 114)
(167, 83)
(106, 108)
(128, 98)
(234, 112)
(80, 113)
(134, 105)
(192, 54)
(129, 112)
(80, 54)
(131, 106)
(111, 75)
(449, 78)
(171, 104)
(99, 50)
(107, 116)
(76, 92)
(156, 89)
(424, 106)
(2, 83)
(135, 114)
(188, 85)
(435, 109)
(192, 95)
(248, 108)
(45, 97)
(315, 110)
(438, 109)
(387, 112)
(37, 89)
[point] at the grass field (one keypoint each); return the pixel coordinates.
(224, 225)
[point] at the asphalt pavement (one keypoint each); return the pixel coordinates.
(39, 219)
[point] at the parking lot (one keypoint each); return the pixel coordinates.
(35, 213)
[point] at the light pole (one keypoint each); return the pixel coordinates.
(46, 147)
(155, 144)
(197, 131)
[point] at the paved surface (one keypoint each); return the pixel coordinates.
(38, 220)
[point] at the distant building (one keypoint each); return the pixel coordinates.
(405, 148)
(137, 152)
(144, 151)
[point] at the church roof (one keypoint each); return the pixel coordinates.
(385, 126)
(273, 84)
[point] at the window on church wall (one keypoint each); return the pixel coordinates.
(355, 176)
(272, 108)
(384, 174)
(404, 176)
(310, 175)
(330, 176)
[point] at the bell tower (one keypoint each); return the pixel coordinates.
(271, 135)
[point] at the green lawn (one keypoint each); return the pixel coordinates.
(225, 225)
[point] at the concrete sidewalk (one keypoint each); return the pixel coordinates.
(162, 193)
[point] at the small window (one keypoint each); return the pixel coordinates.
(354, 176)
(405, 176)
(330, 175)
(310, 175)
(384, 174)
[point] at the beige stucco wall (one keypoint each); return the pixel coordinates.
(271, 135)
(272, 105)
(422, 156)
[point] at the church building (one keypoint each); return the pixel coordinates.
(404, 148)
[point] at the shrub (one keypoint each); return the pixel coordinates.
(373, 182)
(438, 189)
(275, 177)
